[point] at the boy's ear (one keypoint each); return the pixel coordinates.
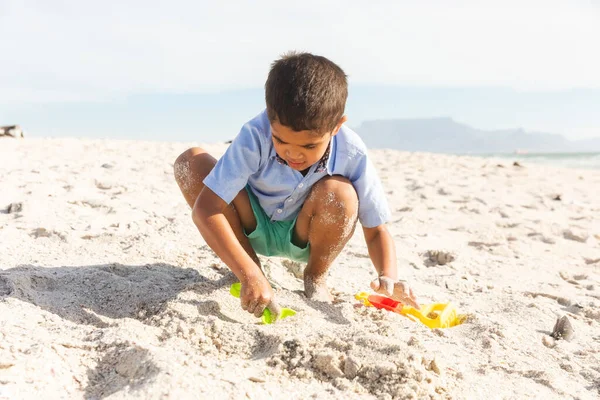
(341, 122)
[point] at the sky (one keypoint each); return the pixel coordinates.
(59, 54)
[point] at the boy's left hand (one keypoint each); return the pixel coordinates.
(397, 290)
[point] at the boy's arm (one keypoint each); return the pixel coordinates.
(208, 215)
(382, 251)
(373, 212)
(228, 177)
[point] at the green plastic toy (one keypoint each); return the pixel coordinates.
(267, 317)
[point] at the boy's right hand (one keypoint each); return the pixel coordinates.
(396, 289)
(256, 295)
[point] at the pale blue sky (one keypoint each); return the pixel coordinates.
(69, 53)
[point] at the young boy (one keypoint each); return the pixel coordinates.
(293, 184)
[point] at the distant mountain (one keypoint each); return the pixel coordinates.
(444, 135)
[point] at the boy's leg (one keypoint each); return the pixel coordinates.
(327, 220)
(190, 169)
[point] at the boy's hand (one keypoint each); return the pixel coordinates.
(397, 290)
(256, 295)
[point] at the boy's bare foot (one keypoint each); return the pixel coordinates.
(317, 290)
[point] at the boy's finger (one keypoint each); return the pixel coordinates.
(244, 305)
(251, 306)
(258, 311)
(400, 291)
(388, 286)
(413, 303)
(275, 309)
(412, 300)
(375, 284)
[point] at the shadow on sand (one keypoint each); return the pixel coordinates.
(80, 293)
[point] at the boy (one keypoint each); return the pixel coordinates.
(293, 183)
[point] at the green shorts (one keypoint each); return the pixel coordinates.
(274, 239)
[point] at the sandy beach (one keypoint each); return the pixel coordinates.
(107, 290)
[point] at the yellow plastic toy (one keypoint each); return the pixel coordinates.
(436, 315)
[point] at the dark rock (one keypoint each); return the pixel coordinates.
(563, 329)
(15, 208)
(14, 131)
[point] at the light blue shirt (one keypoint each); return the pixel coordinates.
(251, 160)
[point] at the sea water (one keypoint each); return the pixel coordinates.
(569, 160)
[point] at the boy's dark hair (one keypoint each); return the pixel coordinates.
(306, 92)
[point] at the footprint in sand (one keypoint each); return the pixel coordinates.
(117, 368)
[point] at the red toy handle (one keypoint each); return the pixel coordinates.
(384, 302)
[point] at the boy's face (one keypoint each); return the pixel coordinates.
(301, 149)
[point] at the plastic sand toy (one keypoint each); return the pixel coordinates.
(436, 315)
(267, 317)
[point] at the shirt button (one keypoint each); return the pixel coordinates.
(289, 200)
(279, 211)
(301, 185)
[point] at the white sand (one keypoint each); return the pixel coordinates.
(107, 288)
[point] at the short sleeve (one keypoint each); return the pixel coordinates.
(373, 209)
(242, 159)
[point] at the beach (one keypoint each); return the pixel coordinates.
(107, 290)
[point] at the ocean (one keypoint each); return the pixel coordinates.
(569, 160)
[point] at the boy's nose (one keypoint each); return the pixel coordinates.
(293, 155)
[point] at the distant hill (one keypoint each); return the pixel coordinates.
(444, 135)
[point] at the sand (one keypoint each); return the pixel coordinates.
(107, 290)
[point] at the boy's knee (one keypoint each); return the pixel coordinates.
(181, 166)
(335, 192)
(189, 163)
(187, 156)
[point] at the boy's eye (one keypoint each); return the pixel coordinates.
(310, 146)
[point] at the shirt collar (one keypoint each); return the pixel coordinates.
(324, 164)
